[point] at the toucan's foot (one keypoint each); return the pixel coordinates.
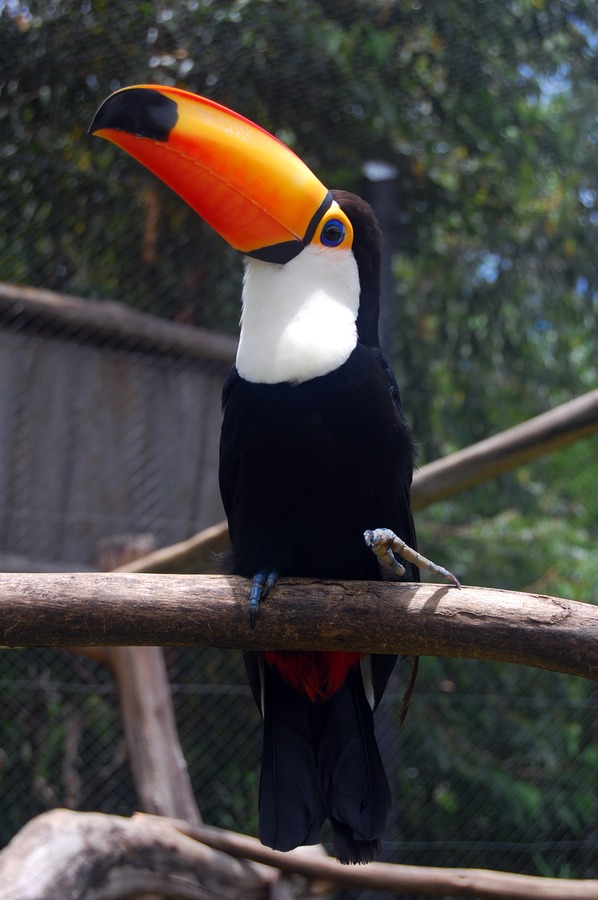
(261, 586)
(385, 544)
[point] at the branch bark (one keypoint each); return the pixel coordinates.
(159, 769)
(200, 553)
(382, 617)
(92, 856)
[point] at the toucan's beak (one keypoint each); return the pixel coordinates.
(245, 183)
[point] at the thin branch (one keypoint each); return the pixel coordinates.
(95, 609)
(398, 879)
(200, 553)
(435, 481)
(502, 452)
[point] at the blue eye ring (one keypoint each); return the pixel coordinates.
(333, 233)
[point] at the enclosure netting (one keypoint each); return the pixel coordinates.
(472, 127)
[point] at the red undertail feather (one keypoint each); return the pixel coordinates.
(318, 674)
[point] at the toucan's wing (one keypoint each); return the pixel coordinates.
(228, 473)
(382, 665)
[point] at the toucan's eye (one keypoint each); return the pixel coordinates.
(333, 233)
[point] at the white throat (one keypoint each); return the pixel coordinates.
(298, 319)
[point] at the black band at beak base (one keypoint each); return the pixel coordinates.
(287, 250)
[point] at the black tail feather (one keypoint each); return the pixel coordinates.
(358, 797)
(291, 800)
(351, 850)
(321, 760)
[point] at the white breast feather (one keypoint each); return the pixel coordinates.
(298, 319)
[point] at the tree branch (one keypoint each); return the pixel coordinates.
(514, 447)
(154, 750)
(92, 855)
(435, 481)
(398, 879)
(95, 609)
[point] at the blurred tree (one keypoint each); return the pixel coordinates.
(486, 111)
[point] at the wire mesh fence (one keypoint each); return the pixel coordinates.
(480, 121)
(471, 786)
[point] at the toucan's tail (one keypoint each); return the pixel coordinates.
(321, 759)
(291, 798)
(358, 797)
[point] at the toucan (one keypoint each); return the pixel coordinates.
(315, 451)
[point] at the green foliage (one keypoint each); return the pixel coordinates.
(220, 732)
(524, 743)
(61, 739)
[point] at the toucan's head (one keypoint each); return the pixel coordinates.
(251, 188)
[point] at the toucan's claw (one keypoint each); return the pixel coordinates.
(261, 586)
(384, 543)
(270, 582)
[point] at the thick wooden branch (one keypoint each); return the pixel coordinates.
(93, 856)
(382, 617)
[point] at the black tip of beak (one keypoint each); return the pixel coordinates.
(140, 111)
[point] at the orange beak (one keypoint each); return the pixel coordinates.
(254, 191)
